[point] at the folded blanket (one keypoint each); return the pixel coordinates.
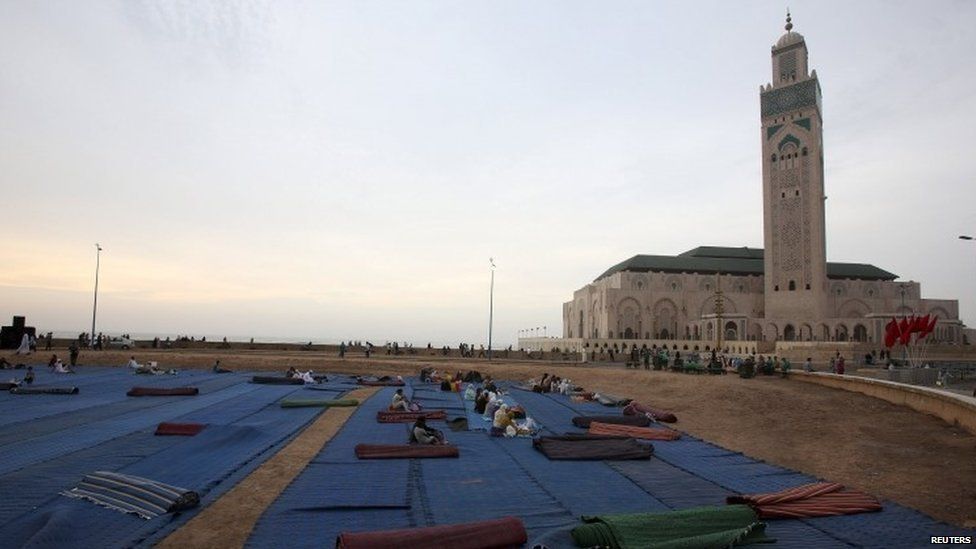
(644, 433)
(131, 494)
(44, 390)
(819, 499)
(160, 391)
(503, 533)
(277, 380)
(405, 451)
(636, 421)
(700, 527)
(377, 383)
(310, 402)
(386, 416)
(179, 429)
(592, 448)
(636, 408)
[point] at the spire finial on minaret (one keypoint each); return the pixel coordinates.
(789, 23)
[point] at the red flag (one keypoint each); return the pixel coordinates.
(931, 326)
(891, 333)
(923, 324)
(906, 331)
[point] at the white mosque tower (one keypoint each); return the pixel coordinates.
(795, 266)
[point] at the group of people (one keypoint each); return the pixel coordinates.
(150, 368)
(58, 367)
(552, 384)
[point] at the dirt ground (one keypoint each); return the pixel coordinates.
(881, 448)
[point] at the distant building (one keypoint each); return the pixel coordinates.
(787, 291)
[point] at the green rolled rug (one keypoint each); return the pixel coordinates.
(697, 528)
(322, 403)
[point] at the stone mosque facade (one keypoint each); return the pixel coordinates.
(786, 291)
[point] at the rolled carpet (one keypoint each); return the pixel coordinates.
(376, 383)
(700, 528)
(592, 448)
(818, 499)
(644, 433)
(277, 380)
(634, 421)
(179, 429)
(161, 391)
(131, 494)
(503, 533)
(636, 408)
(6, 386)
(44, 390)
(312, 402)
(405, 451)
(387, 416)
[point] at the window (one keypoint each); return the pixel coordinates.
(797, 193)
(783, 194)
(776, 288)
(804, 151)
(808, 286)
(792, 285)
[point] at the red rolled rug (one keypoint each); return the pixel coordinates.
(179, 429)
(644, 433)
(405, 451)
(386, 416)
(158, 391)
(503, 533)
(819, 499)
(636, 408)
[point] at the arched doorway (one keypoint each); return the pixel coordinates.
(731, 331)
(628, 333)
(789, 333)
(665, 334)
(841, 332)
(580, 332)
(860, 333)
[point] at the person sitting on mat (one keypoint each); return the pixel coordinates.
(422, 434)
(133, 364)
(218, 370)
(60, 368)
(292, 373)
(29, 376)
(481, 401)
(5, 364)
(399, 403)
(502, 420)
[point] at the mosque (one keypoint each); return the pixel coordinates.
(786, 291)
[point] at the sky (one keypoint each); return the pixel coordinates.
(336, 170)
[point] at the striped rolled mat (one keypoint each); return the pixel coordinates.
(405, 451)
(317, 402)
(644, 433)
(179, 429)
(386, 416)
(131, 494)
(502, 533)
(818, 499)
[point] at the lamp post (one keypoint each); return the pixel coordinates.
(491, 303)
(98, 254)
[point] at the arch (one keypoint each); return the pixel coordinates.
(731, 331)
(628, 333)
(708, 306)
(581, 332)
(771, 333)
(792, 286)
(860, 333)
(709, 331)
(841, 332)
(664, 334)
(673, 283)
(664, 315)
(940, 312)
(789, 333)
(806, 332)
(755, 331)
(838, 289)
(789, 139)
(853, 308)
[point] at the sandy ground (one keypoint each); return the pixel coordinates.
(887, 450)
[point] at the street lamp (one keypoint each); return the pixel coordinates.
(98, 254)
(491, 303)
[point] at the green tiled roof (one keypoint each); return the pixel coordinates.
(733, 261)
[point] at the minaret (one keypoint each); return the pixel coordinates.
(793, 188)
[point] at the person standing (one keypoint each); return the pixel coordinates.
(73, 353)
(48, 340)
(342, 349)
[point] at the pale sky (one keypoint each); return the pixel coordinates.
(336, 170)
